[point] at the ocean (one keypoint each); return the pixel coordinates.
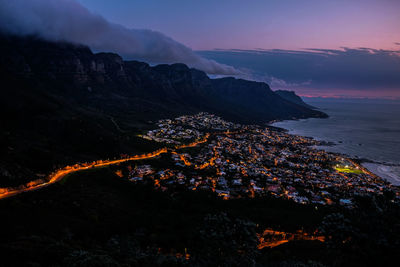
(367, 129)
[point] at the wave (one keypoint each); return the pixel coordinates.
(391, 173)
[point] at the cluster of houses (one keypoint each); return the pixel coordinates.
(188, 128)
(256, 161)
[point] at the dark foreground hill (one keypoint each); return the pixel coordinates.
(60, 103)
(95, 218)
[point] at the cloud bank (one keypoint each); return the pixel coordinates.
(67, 20)
(367, 70)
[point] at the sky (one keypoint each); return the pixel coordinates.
(247, 34)
(345, 72)
(335, 48)
(267, 24)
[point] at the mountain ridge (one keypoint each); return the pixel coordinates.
(61, 103)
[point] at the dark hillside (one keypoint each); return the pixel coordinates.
(62, 104)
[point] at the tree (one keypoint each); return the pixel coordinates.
(224, 241)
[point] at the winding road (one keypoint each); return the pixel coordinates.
(268, 239)
(61, 173)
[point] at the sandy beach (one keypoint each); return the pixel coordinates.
(390, 173)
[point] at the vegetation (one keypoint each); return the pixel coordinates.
(349, 170)
(96, 218)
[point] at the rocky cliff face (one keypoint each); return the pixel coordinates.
(59, 103)
(106, 75)
(292, 97)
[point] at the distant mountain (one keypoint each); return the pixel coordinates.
(292, 97)
(60, 103)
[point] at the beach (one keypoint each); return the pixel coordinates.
(360, 129)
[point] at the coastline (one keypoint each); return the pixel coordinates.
(365, 131)
(382, 170)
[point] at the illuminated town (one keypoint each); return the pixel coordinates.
(205, 152)
(247, 161)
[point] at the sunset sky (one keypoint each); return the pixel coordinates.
(338, 48)
(283, 24)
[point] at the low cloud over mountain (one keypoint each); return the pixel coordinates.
(70, 21)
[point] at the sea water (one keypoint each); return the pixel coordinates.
(367, 129)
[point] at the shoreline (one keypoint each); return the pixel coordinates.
(383, 171)
(375, 168)
(380, 169)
